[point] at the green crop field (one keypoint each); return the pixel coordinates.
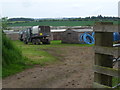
(59, 23)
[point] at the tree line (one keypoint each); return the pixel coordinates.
(99, 17)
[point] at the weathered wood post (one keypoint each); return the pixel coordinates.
(104, 53)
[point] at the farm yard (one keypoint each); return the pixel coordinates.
(55, 66)
(61, 65)
(67, 44)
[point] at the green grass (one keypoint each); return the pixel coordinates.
(37, 54)
(115, 81)
(12, 59)
(10, 53)
(60, 23)
(13, 69)
(58, 43)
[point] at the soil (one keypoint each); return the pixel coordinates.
(74, 70)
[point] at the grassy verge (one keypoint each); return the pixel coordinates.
(12, 59)
(13, 69)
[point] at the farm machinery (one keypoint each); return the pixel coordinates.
(35, 35)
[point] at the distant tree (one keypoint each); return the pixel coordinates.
(93, 17)
(21, 19)
(4, 23)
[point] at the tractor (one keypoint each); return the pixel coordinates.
(36, 35)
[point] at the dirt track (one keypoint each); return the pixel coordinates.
(73, 71)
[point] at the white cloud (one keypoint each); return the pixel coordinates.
(59, 1)
(58, 8)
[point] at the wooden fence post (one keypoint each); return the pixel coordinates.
(103, 54)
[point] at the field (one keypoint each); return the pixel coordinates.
(59, 23)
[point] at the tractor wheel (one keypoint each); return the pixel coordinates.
(46, 41)
(38, 41)
(25, 41)
(43, 42)
(21, 39)
(33, 41)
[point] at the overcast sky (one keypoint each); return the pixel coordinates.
(58, 8)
